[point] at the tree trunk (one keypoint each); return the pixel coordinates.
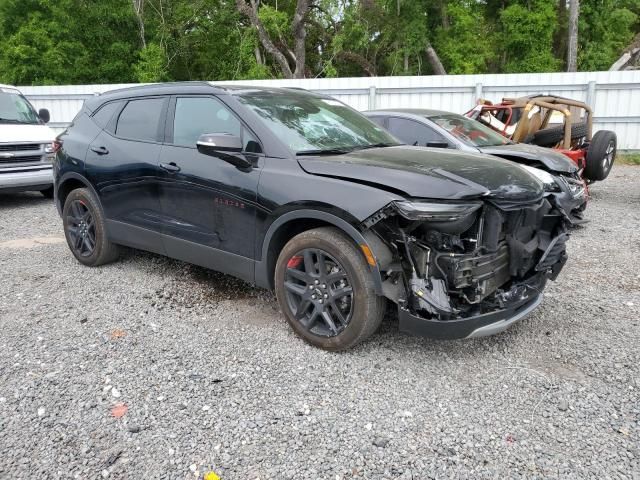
(572, 48)
(406, 62)
(299, 36)
(298, 55)
(138, 9)
(258, 55)
(434, 61)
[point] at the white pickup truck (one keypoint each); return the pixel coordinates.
(26, 145)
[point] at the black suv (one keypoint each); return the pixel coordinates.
(298, 192)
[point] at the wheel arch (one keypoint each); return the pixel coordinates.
(67, 183)
(291, 224)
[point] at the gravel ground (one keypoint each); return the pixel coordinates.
(151, 368)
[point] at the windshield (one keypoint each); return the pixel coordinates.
(14, 108)
(469, 131)
(309, 124)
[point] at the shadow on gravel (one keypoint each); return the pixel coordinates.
(193, 284)
(16, 200)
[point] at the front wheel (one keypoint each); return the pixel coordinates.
(326, 291)
(85, 229)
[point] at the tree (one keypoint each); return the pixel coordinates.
(572, 50)
(280, 54)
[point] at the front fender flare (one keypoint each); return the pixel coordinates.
(262, 274)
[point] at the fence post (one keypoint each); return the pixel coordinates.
(478, 91)
(372, 97)
(591, 94)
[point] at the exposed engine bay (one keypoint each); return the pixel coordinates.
(454, 261)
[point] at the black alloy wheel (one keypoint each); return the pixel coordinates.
(326, 289)
(319, 292)
(85, 229)
(81, 229)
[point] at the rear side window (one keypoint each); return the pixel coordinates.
(140, 119)
(412, 132)
(198, 115)
(102, 116)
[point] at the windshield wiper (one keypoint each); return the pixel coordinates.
(376, 145)
(325, 151)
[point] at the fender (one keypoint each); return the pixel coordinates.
(262, 277)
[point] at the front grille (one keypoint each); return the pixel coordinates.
(28, 158)
(19, 147)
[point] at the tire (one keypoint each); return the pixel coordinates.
(601, 155)
(82, 214)
(552, 136)
(345, 268)
(47, 192)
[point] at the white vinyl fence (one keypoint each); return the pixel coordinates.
(614, 96)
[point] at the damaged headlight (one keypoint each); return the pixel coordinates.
(439, 212)
(575, 186)
(548, 180)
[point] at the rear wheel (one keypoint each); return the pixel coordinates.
(85, 229)
(601, 155)
(326, 291)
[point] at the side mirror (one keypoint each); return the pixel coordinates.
(225, 146)
(438, 144)
(44, 115)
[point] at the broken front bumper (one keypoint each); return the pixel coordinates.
(470, 327)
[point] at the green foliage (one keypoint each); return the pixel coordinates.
(465, 44)
(66, 41)
(88, 41)
(606, 28)
(527, 36)
(152, 66)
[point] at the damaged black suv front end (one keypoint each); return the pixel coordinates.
(468, 268)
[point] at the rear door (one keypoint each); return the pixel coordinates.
(122, 163)
(209, 205)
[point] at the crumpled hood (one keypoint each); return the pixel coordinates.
(430, 173)
(552, 160)
(15, 133)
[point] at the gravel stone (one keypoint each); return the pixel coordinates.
(484, 408)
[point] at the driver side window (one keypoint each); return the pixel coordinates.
(413, 133)
(195, 116)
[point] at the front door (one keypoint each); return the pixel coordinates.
(208, 205)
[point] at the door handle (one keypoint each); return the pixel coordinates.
(170, 167)
(100, 150)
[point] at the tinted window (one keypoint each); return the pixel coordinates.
(412, 132)
(197, 115)
(378, 121)
(102, 116)
(140, 119)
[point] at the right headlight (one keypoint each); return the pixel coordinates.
(441, 212)
(575, 186)
(548, 180)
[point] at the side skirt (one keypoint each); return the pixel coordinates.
(201, 255)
